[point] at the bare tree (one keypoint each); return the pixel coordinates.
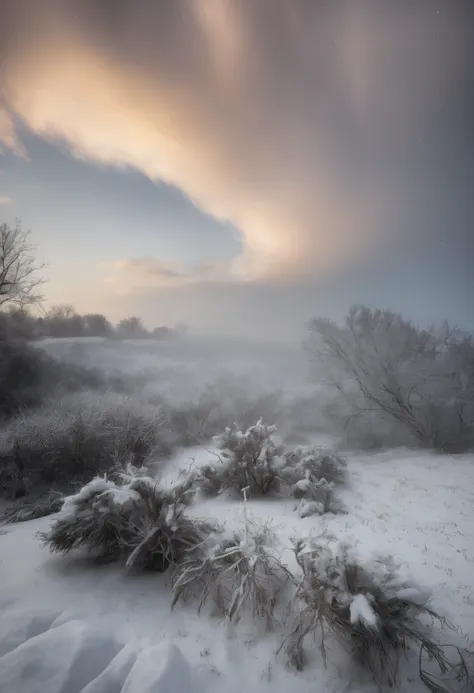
(96, 325)
(131, 328)
(62, 312)
(382, 366)
(63, 321)
(19, 279)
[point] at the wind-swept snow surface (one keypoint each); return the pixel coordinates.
(70, 626)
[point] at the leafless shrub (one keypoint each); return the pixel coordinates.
(315, 463)
(223, 403)
(246, 459)
(53, 445)
(78, 437)
(196, 422)
(384, 368)
(374, 614)
(136, 432)
(238, 573)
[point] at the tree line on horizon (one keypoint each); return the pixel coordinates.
(20, 283)
(62, 321)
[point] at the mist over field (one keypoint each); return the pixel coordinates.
(236, 346)
(228, 378)
(151, 469)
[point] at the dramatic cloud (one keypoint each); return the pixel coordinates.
(8, 138)
(298, 121)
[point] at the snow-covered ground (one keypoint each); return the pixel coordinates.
(67, 626)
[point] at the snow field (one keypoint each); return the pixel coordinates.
(68, 626)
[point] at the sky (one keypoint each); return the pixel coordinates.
(243, 165)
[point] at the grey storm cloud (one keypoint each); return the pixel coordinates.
(303, 123)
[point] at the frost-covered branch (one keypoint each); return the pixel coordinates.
(380, 365)
(19, 280)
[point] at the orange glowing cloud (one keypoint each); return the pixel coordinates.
(254, 127)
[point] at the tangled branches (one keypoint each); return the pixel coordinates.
(372, 613)
(237, 573)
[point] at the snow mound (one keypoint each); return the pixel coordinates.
(44, 653)
(57, 613)
(16, 629)
(60, 660)
(111, 680)
(161, 669)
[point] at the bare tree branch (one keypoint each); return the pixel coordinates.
(19, 279)
(421, 379)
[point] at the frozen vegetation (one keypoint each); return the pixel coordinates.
(204, 516)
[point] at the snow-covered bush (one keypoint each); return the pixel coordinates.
(138, 520)
(251, 460)
(238, 573)
(100, 518)
(164, 534)
(246, 459)
(316, 497)
(78, 437)
(368, 609)
(318, 461)
(313, 475)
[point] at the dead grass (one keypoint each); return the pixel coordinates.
(138, 520)
(238, 574)
(396, 618)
